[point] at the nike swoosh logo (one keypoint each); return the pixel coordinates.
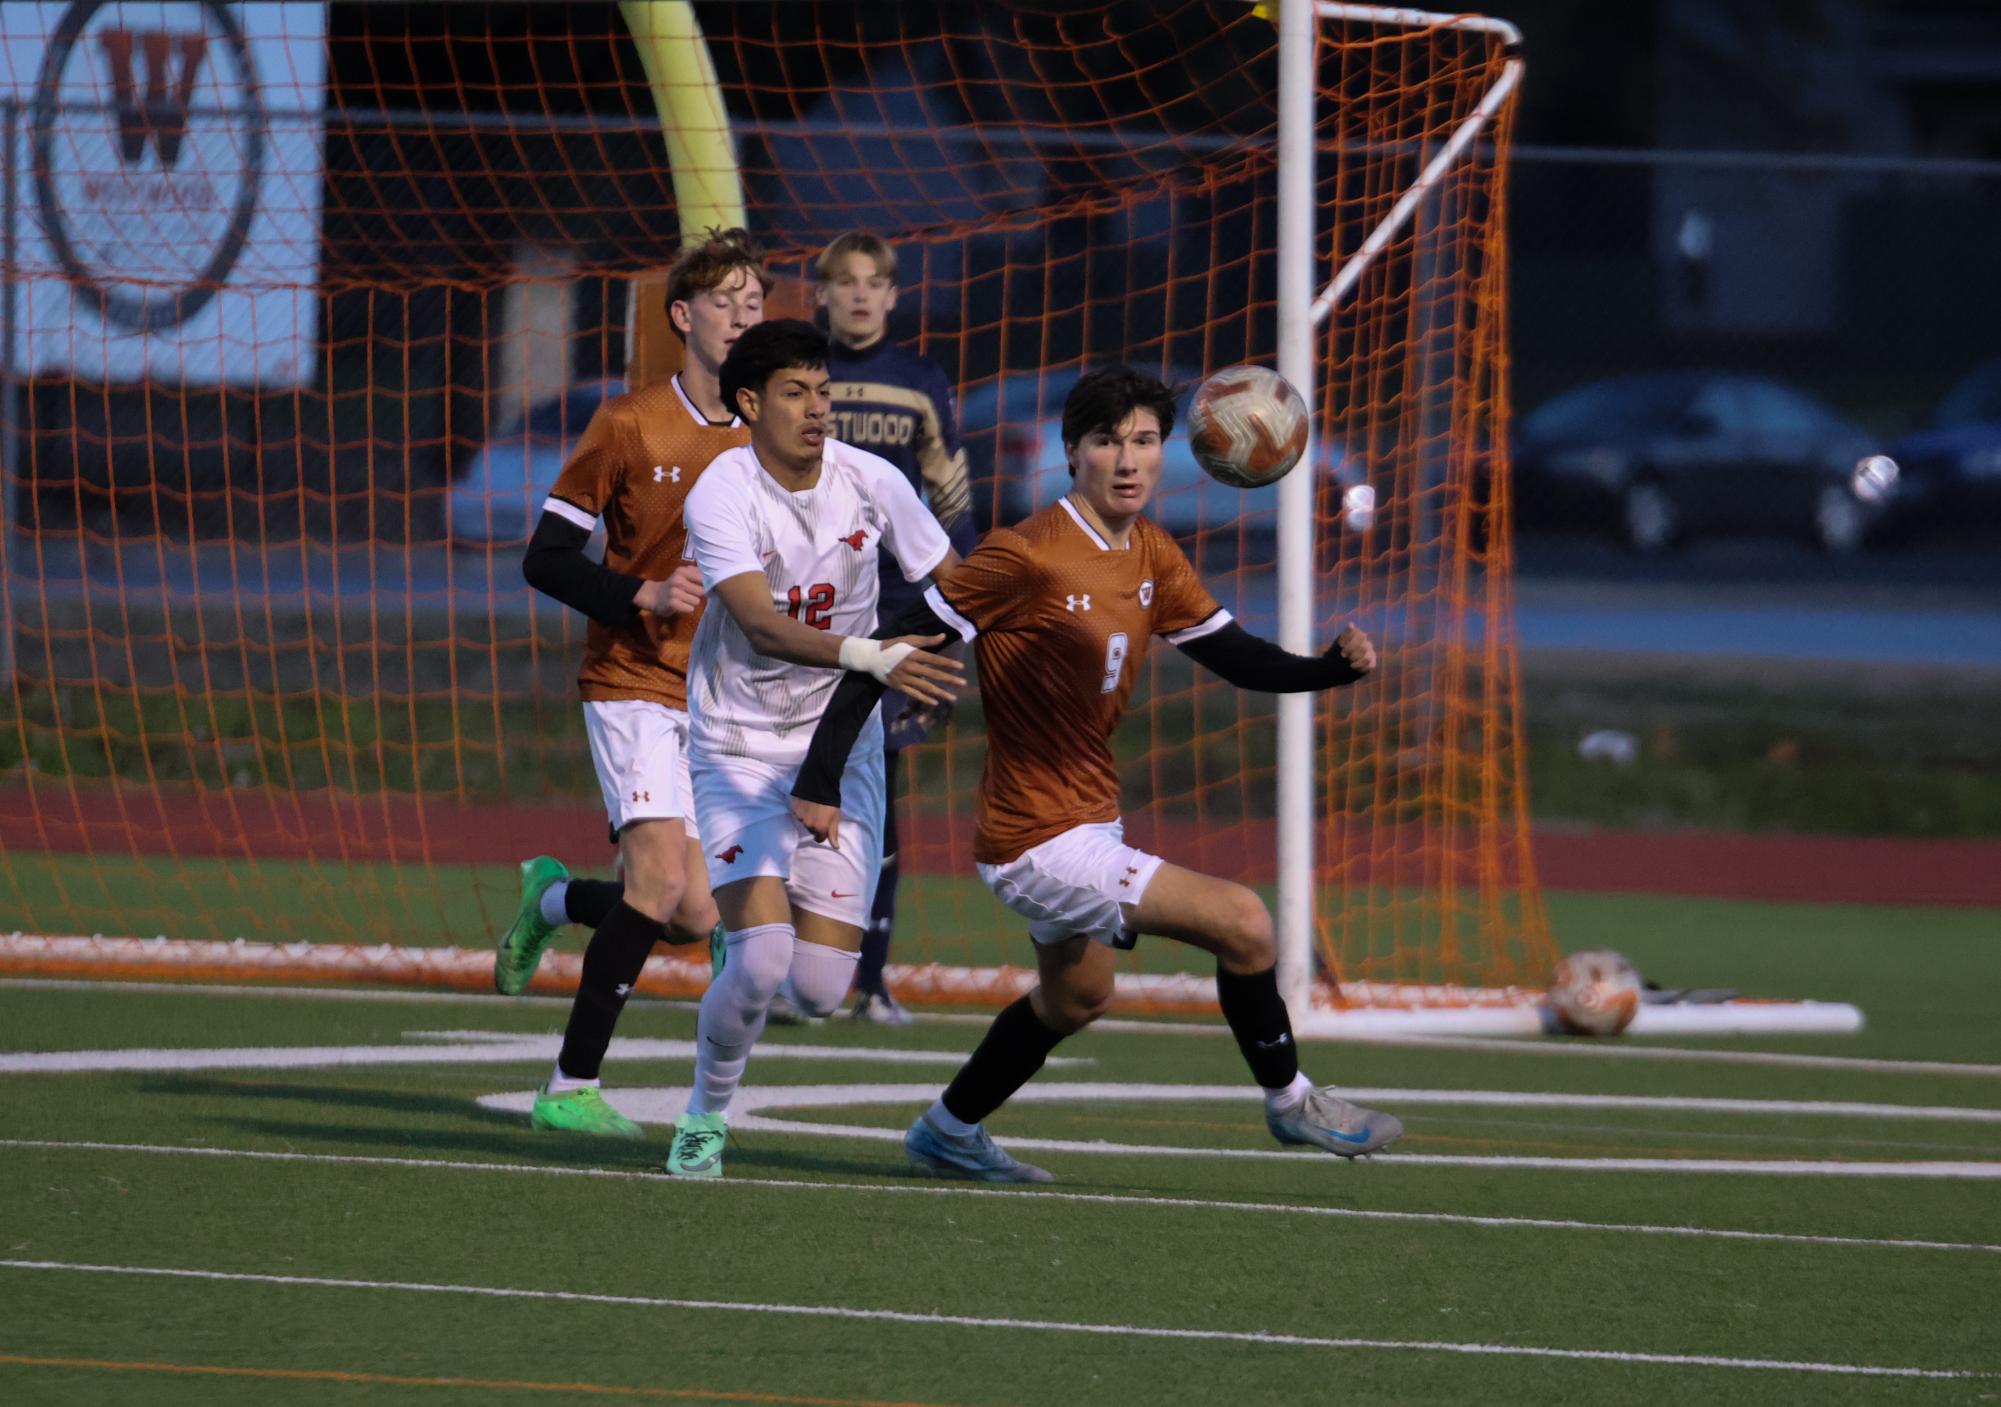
(1362, 1137)
(838, 895)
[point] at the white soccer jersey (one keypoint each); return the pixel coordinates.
(818, 551)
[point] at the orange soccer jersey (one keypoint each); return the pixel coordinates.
(1063, 622)
(637, 460)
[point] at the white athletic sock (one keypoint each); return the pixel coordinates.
(560, 1083)
(733, 1009)
(1280, 1100)
(820, 977)
(946, 1121)
(552, 903)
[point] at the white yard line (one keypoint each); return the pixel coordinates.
(1614, 1049)
(1194, 1204)
(969, 1321)
(756, 1105)
(332, 994)
(438, 1048)
(1618, 1049)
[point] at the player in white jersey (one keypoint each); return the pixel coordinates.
(786, 532)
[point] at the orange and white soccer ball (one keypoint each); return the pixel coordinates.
(1247, 426)
(1594, 993)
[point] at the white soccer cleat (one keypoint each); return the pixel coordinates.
(1324, 1120)
(973, 1155)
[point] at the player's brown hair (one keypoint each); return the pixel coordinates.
(709, 262)
(872, 247)
(1104, 398)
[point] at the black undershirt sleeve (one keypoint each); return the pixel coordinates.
(555, 565)
(847, 712)
(1241, 658)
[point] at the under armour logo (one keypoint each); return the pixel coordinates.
(728, 857)
(1132, 869)
(642, 796)
(623, 989)
(1125, 884)
(854, 539)
(1077, 603)
(661, 471)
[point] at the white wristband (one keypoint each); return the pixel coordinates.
(866, 656)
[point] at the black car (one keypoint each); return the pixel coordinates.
(1950, 474)
(1662, 457)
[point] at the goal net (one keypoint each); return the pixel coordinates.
(300, 321)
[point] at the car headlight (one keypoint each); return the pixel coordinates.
(1358, 508)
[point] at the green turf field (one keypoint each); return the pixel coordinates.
(295, 1218)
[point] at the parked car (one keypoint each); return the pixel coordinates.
(1950, 473)
(1659, 458)
(497, 500)
(1021, 414)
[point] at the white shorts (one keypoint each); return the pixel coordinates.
(1085, 882)
(640, 750)
(744, 810)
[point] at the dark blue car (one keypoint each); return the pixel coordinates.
(1662, 457)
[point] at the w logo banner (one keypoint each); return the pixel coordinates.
(167, 195)
(161, 114)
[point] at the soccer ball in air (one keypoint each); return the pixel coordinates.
(1594, 993)
(1247, 427)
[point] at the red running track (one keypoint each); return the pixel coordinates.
(1823, 869)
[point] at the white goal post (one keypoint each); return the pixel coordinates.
(1301, 314)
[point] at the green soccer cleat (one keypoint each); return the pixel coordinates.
(581, 1111)
(719, 950)
(522, 945)
(697, 1150)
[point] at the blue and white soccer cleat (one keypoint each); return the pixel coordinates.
(1324, 1120)
(974, 1155)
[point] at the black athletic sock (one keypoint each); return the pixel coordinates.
(1259, 1021)
(875, 938)
(1011, 1052)
(590, 901)
(616, 953)
(882, 915)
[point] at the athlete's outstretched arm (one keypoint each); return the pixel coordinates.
(1241, 658)
(882, 660)
(555, 565)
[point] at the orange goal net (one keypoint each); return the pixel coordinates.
(305, 304)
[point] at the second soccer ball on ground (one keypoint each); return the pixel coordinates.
(1247, 426)
(1594, 993)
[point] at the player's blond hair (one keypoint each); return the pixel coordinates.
(872, 247)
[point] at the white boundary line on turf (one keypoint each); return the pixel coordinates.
(490, 1048)
(1196, 1204)
(332, 994)
(969, 1321)
(1161, 1027)
(1487, 1045)
(755, 1105)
